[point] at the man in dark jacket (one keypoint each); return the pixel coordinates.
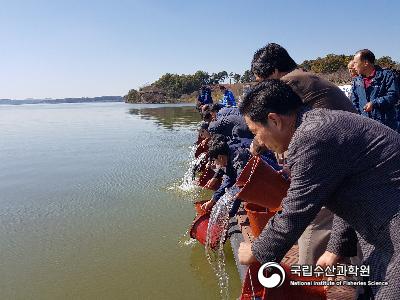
(228, 98)
(340, 160)
(374, 92)
(204, 96)
(230, 126)
(396, 73)
(217, 110)
(230, 158)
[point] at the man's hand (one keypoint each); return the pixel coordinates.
(285, 172)
(368, 107)
(245, 254)
(328, 259)
(208, 205)
(211, 182)
(204, 142)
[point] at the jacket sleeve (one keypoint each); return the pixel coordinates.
(219, 173)
(231, 97)
(317, 170)
(354, 96)
(215, 127)
(392, 93)
(227, 182)
(343, 240)
(239, 157)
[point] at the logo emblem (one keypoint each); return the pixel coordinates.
(276, 279)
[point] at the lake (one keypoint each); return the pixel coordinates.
(90, 205)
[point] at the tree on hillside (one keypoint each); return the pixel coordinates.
(177, 85)
(236, 77)
(219, 77)
(202, 77)
(247, 76)
(328, 64)
(133, 96)
(306, 65)
(333, 63)
(230, 77)
(386, 62)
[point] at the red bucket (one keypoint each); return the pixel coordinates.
(205, 177)
(258, 217)
(261, 184)
(201, 148)
(198, 229)
(285, 291)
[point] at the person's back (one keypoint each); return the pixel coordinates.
(317, 92)
(231, 126)
(226, 111)
(351, 165)
(364, 173)
(205, 96)
(228, 99)
(396, 74)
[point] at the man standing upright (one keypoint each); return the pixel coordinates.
(374, 92)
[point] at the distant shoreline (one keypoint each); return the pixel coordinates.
(63, 100)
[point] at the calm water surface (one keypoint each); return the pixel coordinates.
(90, 206)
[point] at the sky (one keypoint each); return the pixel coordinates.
(57, 49)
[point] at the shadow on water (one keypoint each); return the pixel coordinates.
(168, 117)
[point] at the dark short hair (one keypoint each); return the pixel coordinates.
(218, 145)
(203, 125)
(207, 116)
(216, 107)
(206, 107)
(367, 55)
(269, 96)
(269, 58)
(222, 87)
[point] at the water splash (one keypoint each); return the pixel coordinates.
(216, 234)
(188, 181)
(188, 184)
(186, 241)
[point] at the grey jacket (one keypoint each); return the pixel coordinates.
(346, 162)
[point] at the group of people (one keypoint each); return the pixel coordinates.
(205, 97)
(343, 161)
